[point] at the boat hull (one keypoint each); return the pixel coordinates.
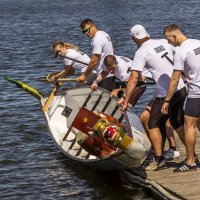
(60, 120)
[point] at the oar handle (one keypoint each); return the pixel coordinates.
(78, 61)
(67, 80)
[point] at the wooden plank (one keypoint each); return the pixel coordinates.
(66, 135)
(107, 104)
(181, 185)
(72, 144)
(79, 151)
(51, 97)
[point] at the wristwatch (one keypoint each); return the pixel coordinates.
(166, 101)
(95, 81)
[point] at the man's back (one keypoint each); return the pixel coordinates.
(187, 59)
(102, 45)
(157, 56)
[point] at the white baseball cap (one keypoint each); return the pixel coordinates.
(139, 32)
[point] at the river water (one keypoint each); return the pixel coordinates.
(31, 166)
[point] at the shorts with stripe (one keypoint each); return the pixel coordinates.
(192, 107)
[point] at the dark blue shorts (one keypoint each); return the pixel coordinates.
(192, 107)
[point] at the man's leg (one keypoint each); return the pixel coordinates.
(145, 116)
(192, 113)
(173, 151)
(155, 119)
(190, 138)
(181, 134)
(156, 140)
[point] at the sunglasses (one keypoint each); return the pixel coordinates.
(87, 30)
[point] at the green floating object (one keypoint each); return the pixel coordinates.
(32, 91)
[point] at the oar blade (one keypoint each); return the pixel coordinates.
(32, 91)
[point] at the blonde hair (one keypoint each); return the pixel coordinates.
(171, 28)
(65, 44)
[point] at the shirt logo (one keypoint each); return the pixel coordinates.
(108, 38)
(159, 49)
(197, 51)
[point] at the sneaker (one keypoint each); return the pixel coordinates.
(153, 165)
(170, 154)
(196, 160)
(148, 159)
(162, 164)
(185, 168)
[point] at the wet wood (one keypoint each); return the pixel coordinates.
(185, 185)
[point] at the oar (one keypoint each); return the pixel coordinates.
(44, 79)
(78, 61)
(51, 96)
(32, 91)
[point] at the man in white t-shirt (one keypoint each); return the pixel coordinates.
(101, 47)
(120, 67)
(186, 60)
(156, 55)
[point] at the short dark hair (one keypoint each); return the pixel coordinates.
(109, 60)
(171, 27)
(86, 21)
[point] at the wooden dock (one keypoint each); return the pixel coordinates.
(169, 185)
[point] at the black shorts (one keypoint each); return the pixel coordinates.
(108, 83)
(149, 105)
(156, 116)
(176, 112)
(192, 107)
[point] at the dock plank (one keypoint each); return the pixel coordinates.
(180, 185)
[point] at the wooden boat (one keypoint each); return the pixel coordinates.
(70, 117)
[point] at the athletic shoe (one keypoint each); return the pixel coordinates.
(148, 159)
(196, 160)
(185, 168)
(170, 154)
(153, 165)
(162, 164)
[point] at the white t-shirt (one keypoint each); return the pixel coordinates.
(102, 45)
(152, 56)
(123, 65)
(77, 55)
(187, 59)
(123, 69)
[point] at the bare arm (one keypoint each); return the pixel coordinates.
(173, 84)
(92, 64)
(171, 89)
(100, 77)
(132, 82)
(68, 70)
